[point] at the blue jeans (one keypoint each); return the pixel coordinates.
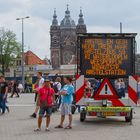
(2, 102)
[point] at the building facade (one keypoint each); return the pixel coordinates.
(64, 38)
(137, 64)
(32, 65)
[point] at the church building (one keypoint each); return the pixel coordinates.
(64, 38)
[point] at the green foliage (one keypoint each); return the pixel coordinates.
(9, 48)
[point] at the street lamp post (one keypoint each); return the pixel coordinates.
(22, 59)
(0, 56)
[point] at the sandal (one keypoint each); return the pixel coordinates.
(37, 130)
(47, 129)
(59, 126)
(68, 127)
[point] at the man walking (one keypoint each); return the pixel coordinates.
(67, 97)
(47, 97)
(15, 89)
(40, 84)
(3, 94)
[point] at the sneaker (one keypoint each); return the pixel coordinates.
(47, 129)
(37, 129)
(33, 115)
(3, 112)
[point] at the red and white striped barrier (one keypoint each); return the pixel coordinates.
(132, 94)
(130, 101)
(80, 87)
(132, 90)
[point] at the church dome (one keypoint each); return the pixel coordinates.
(67, 22)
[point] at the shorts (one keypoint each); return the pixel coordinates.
(42, 111)
(138, 95)
(66, 109)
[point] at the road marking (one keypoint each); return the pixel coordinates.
(20, 105)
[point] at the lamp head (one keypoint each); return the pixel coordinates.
(27, 17)
(17, 18)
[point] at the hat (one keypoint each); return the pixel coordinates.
(46, 80)
(1, 76)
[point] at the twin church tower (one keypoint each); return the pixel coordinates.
(64, 38)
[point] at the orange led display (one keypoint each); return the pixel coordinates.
(105, 56)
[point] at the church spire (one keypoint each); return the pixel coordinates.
(54, 21)
(67, 21)
(81, 19)
(67, 12)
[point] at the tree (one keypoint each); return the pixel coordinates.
(9, 48)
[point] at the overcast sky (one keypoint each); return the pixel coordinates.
(99, 15)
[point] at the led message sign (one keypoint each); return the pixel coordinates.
(106, 56)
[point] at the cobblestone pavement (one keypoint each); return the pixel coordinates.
(17, 125)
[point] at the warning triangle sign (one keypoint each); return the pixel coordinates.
(106, 91)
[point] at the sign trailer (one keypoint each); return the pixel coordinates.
(106, 56)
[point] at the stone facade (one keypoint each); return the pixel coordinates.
(64, 38)
(137, 64)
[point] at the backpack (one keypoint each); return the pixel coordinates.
(55, 88)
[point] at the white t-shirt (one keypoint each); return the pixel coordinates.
(118, 85)
(88, 85)
(58, 86)
(41, 82)
(20, 86)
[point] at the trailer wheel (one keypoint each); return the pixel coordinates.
(82, 116)
(129, 118)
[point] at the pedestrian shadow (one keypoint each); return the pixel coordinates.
(30, 132)
(26, 119)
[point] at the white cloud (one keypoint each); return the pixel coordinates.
(102, 29)
(36, 29)
(100, 16)
(112, 29)
(37, 36)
